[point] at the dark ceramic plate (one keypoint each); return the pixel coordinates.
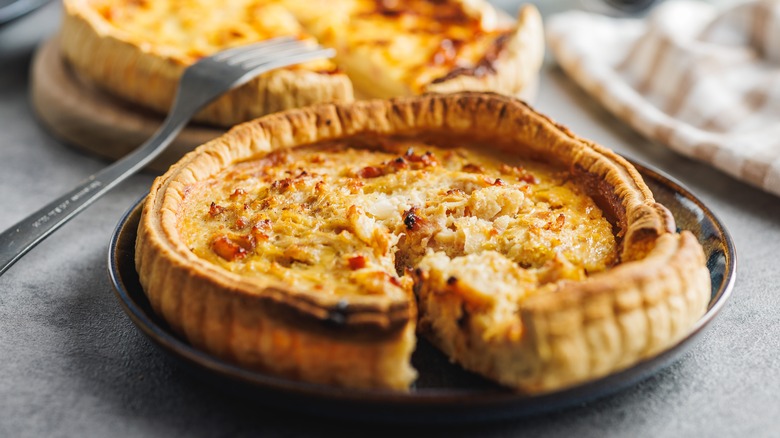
(444, 392)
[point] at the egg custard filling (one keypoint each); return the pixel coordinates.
(192, 29)
(354, 218)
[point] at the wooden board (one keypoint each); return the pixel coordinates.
(91, 120)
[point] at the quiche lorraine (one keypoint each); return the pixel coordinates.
(137, 49)
(316, 243)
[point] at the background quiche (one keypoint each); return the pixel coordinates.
(137, 49)
(315, 243)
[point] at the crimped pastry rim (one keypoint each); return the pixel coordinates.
(313, 304)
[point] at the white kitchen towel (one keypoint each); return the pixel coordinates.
(703, 81)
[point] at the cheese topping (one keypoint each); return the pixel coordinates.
(187, 30)
(356, 217)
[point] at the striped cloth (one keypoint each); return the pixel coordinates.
(703, 81)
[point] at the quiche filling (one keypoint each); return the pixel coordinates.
(187, 30)
(381, 216)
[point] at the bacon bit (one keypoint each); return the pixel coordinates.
(319, 186)
(454, 192)
(522, 174)
(357, 262)
(428, 159)
(399, 163)
(238, 192)
(393, 280)
(412, 221)
(498, 182)
(228, 249)
(240, 222)
(215, 209)
(281, 185)
(302, 174)
(473, 168)
(528, 178)
(370, 172)
(557, 225)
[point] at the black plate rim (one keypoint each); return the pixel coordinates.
(438, 399)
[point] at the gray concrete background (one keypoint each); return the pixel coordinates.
(72, 364)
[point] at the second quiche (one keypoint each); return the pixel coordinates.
(137, 49)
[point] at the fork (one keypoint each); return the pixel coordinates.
(200, 84)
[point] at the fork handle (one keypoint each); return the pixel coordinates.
(25, 234)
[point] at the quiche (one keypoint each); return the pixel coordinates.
(317, 243)
(138, 49)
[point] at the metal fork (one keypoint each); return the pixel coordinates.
(200, 84)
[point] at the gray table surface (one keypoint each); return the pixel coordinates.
(72, 364)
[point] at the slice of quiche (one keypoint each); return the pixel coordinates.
(137, 49)
(405, 47)
(313, 244)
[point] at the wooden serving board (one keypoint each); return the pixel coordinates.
(91, 120)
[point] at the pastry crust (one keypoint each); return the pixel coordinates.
(471, 49)
(569, 332)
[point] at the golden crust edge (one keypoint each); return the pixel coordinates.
(460, 112)
(98, 52)
(517, 65)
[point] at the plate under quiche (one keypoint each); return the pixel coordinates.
(316, 244)
(137, 49)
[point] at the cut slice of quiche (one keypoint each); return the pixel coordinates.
(406, 47)
(313, 244)
(137, 49)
